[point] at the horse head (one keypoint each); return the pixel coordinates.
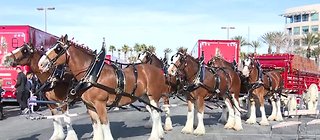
(145, 56)
(183, 64)
(20, 56)
(53, 56)
(248, 66)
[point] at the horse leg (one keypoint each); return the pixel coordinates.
(149, 122)
(157, 130)
(96, 125)
(264, 120)
(105, 124)
(253, 117)
(237, 124)
(58, 133)
(168, 122)
(71, 134)
(231, 118)
(224, 115)
(200, 130)
(274, 110)
(279, 114)
(188, 128)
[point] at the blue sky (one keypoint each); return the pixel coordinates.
(162, 23)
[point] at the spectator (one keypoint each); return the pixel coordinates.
(22, 93)
(1, 106)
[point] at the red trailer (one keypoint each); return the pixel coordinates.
(298, 73)
(228, 49)
(11, 37)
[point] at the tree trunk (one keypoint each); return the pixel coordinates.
(269, 49)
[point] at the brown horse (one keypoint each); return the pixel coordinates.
(231, 70)
(150, 58)
(28, 55)
(214, 84)
(96, 99)
(268, 84)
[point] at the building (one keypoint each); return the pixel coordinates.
(300, 21)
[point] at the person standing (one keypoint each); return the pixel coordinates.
(22, 93)
(1, 106)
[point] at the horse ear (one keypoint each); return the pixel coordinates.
(65, 39)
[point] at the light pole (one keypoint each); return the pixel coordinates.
(45, 15)
(228, 28)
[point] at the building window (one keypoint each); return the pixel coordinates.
(289, 19)
(315, 17)
(314, 28)
(289, 31)
(297, 18)
(296, 42)
(305, 17)
(296, 30)
(305, 29)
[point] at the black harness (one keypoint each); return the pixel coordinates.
(93, 73)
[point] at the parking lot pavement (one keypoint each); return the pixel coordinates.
(128, 124)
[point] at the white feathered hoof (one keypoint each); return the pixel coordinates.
(57, 136)
(237, 127)
(168, 127)
(279, 119)
(187, 130)
(264, 122)
(199, 131)
(71, 135)
(154, 138)
(228, 126)
(251, 121)
(272, 118)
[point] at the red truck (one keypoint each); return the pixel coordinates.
(11, 37)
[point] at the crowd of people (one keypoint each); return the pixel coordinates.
(26, 85)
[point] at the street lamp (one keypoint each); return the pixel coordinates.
(228, 28)
(45, 15)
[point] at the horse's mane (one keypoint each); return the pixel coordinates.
(83, 48)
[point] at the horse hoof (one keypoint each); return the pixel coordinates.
(237, 128)
(264, 123)
(228, 126)
(251, 121)
(186, 130)
(199, 132)
(168, 128)
(271, 118)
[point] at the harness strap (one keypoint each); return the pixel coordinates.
(113, 91)
(135, 72)
(120, 85)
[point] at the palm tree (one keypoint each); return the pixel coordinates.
(119, 53)
(255, 45)
(132, 59)
(125, 49)
(309, 39)
(167, 50)
(315, 53)
(182, 49)
(137, 48)
(280, 40)
(268, 38)
(151, 48)
(143, 47)
(241, 39)
(112, 49)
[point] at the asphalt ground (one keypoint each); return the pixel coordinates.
(128, 124)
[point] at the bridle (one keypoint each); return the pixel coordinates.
(27, 51)
(60, 48)
(148, 57)
(180, 68)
